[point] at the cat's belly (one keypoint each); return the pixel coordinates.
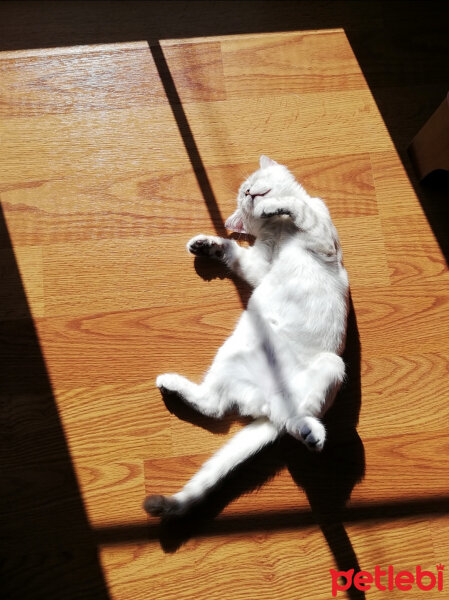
(250, 371)
(277, 337)
(302, 319)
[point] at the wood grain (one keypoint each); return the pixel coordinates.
(63, 83)
(281, 63)
(99, 197)
(138, 205)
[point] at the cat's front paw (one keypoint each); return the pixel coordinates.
(167, 383)
(207, 245)
(270, 208)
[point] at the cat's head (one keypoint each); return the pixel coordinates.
(271, 180)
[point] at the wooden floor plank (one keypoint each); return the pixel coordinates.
(65, 83)
(269, 65)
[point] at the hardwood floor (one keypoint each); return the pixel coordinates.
(106, 171)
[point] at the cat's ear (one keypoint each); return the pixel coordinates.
(235, 222)
(266, 162)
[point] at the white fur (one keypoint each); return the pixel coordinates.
(282, 364)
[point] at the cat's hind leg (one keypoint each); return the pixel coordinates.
(239, 448)
(315, 392)
(323, 379)
(199, 397)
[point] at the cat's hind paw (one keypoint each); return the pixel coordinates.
(172, 383)
(207, 245)
(309, 430)
(161, 506)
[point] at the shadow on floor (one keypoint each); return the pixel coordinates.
(47, 547)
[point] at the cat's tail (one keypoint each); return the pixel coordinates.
(242, 446)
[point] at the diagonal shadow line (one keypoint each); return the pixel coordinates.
(187, 137)
(281, 520)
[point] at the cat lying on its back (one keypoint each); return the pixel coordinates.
(282, 364)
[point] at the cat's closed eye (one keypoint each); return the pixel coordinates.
(255, 193)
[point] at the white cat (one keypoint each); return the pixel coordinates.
(282, 364)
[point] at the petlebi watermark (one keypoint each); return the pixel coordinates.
(388, 579)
